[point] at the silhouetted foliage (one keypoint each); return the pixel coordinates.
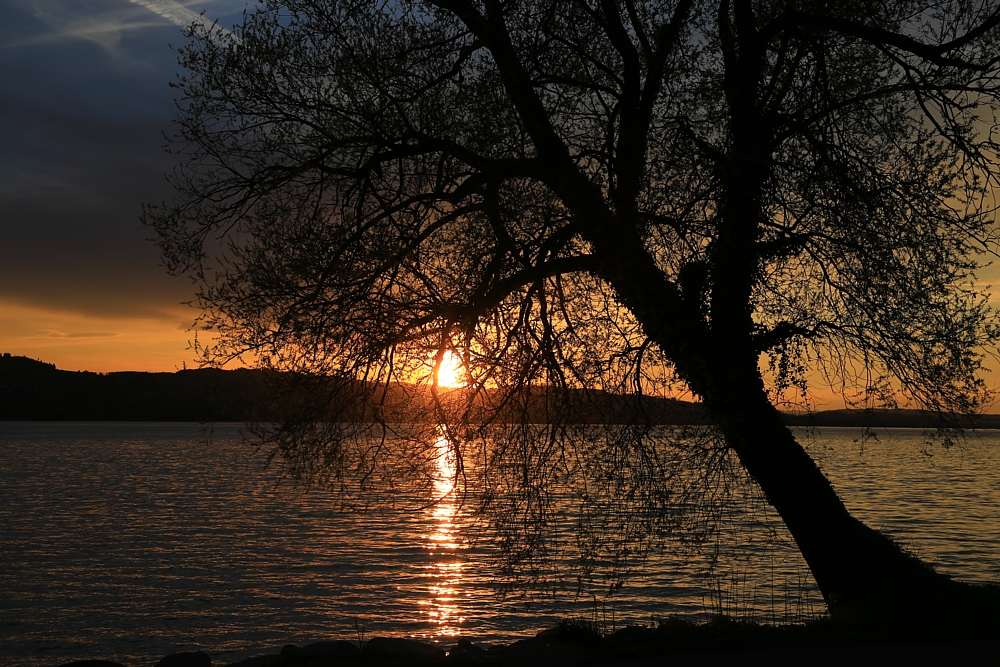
(639, 197)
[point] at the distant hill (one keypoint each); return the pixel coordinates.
(35, 390)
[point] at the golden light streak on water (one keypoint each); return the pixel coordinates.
(445, 546)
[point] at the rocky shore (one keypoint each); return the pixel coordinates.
(383, 651)
(722, 643)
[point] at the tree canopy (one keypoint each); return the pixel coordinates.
(733, 199)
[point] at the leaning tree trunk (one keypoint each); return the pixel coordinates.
(860, 572)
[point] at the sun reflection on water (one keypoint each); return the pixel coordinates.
(444, 543)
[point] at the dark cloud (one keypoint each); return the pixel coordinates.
(83, 106)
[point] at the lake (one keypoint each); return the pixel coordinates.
(129, 541)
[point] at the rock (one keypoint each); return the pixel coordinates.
(92, 663)
(186, 659)
(542, 650)
(407, 649)
(467, 653)
(259, 661)
(327, 649)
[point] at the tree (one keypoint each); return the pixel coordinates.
(735, 197)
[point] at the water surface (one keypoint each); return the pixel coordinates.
(131, 541)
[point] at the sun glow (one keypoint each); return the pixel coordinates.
(451, 373)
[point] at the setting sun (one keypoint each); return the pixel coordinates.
(451, 373)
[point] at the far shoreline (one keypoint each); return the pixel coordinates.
(32, 390)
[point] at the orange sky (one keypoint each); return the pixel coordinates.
(80, 341)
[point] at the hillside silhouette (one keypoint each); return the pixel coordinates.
(33, 390)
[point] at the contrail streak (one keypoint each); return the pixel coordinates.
(173, 11)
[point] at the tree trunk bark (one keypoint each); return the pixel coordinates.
(860, 572)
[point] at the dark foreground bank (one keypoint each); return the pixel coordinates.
(674, 643)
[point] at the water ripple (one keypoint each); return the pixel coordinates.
(130, 541)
